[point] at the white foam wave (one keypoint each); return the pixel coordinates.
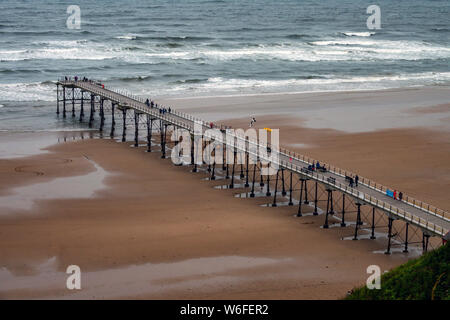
(330, 83)
(127, 37)
(350, 49)
(35, 91)
(359, 34)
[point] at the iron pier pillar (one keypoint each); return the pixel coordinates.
(252, 193)
(113, 119)
(274, 204)
(124, 125)
(358, 219)
(390, 222)
(299, 212)
(290, 190)
(343, 224)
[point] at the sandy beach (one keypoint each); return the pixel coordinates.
(140, 227)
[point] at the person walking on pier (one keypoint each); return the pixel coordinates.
(400, 196)
(351, 182)
(356, 180)
(147, 102)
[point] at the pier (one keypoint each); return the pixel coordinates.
(326, 190)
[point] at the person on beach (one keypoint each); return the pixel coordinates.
(252, 121)
(356, 180)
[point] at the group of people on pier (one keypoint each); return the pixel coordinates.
(162, 110)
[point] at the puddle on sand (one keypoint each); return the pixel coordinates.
(148, 278)
(23, 198)
(17, 145)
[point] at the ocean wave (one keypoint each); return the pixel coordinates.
(127, 37)
(335, 49)
(134, 79)
(310, 84)
(297, 36)
(190, 81)
(35, 91)
(358, 34)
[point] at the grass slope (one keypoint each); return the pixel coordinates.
(424, 278)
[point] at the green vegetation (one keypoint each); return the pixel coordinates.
(424, 278)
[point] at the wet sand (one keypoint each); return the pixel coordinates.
(153, 230)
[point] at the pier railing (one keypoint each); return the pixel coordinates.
(395, 211)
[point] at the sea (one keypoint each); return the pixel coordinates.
(188, 48)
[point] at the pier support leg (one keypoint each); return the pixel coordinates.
(73, 102)
(163, 156)
(213, 176)
(64, 102)
(246, 171)
(252, 193)
(390, 222)
(91, 115)
(224, 157)
(290, 191)
(315, 213)
(306, 192)
(57, 99)
(102, 115)
(283, 187)
(358, 219)
(82, 107)
(124, 128)
(329, 208)
(299, 212)
(195, 152)
(136, 129)
(232, 172)
(113, 120)
(227, 174)
(149, 133)
(425, 240)
(261, 183)
(268, 193)
(343, 224)
(372, 235)
(242, 171)
(406, 239)
(274, 204)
